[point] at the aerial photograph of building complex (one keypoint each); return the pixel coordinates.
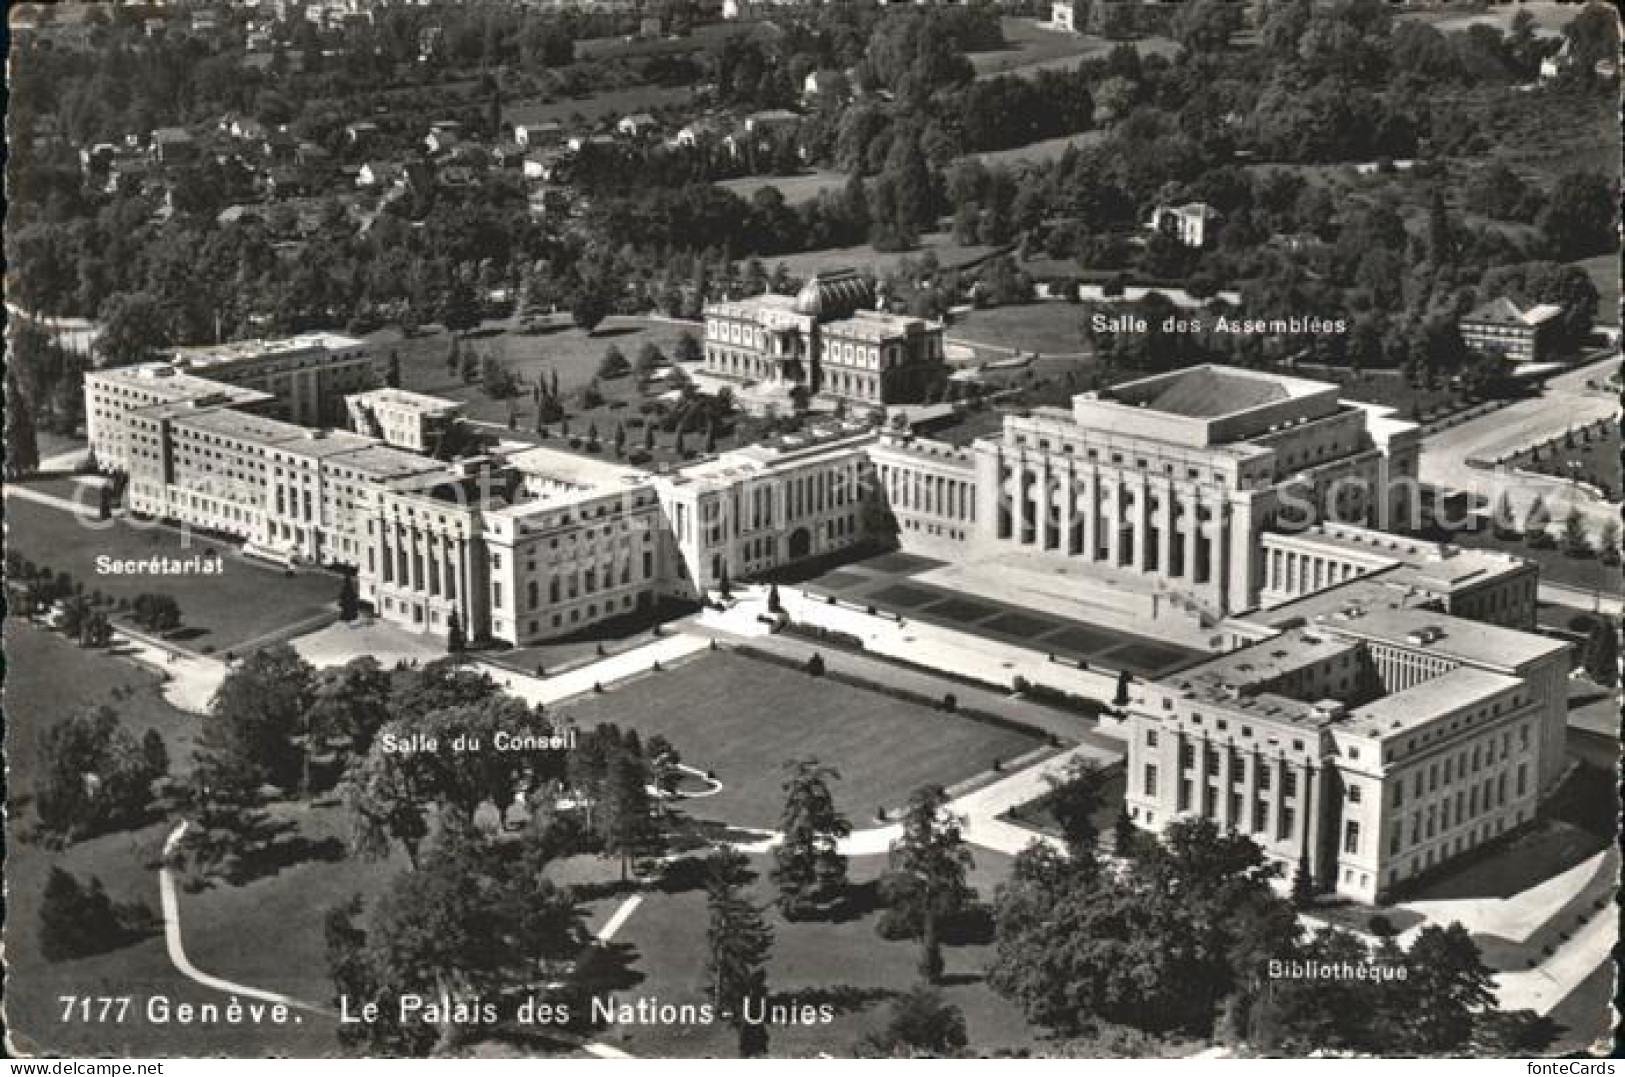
(620, 529)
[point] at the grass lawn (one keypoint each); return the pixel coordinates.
(744, 718)
(275, 919)
(1049, 328)
(796, 189)
(1032, 45)
(1593, 459)
(942, 244)
(48, 678)
(1041, 152)
(847, 964)
(1550, 17)
(243, 603)
(586, 110)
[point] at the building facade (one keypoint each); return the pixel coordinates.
(1501, 327)
(828, 340)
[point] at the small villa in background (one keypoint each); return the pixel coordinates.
(1194, 224)
(1500, 327)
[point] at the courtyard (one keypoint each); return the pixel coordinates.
(743, 718)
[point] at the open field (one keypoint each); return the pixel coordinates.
(1033, 45)
(1050, 149)
(1550, 17)
(803, 187)
(594, 107)
(1048, 328)
(865, 257)
(1593, 459)
(744, 718)
(243, 603)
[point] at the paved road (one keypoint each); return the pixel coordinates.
(1566, 403)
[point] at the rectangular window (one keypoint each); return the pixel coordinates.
(1351, 837)
(1354, 794)
(1150, 780)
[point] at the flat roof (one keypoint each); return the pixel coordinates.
(406, 399)
(205, 356)
(1463, 640)
(1423, 702)
(575, 469)
(247, 427)
(1259, 663)
(384, 462)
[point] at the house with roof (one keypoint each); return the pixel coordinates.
(1194, 224)
(172, 145)
(538, 135)
(702, 132)
(361, 132)
(637, 125)
(380, 174)
(1501, 327)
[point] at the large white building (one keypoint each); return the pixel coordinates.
(1165, 484)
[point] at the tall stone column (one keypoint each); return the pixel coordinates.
(1091, 516)
(1165, 530)
(1018, 513)
(1069, 507)
(1193, 532)
(1249, 789)
(1112, 509)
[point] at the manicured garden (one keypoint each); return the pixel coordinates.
(743, 718)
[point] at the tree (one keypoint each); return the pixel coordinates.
(1502, 521)
(258, 720)
(919, 1023)
(22, 446)
(79, 919)
(156, 613)
(352, 701)
(93, 776)
(929, 866)
(471, 922)
(629, 828)
(809, 869)
(649, 357)
(1576, 539)
(738, 943)
(133, 329)
(1608, 542)
(1536, 520)
(459, 310)
(1601, 657)
(1303, 884)
(392, 370)
(154, 754)
(1447, 986)
(1578, 220)
(1125, 835)
(591, 303)
(614, 363)
(774, 604)
(1074, 799)
(456, 642)
(724, 584)
(688, 348)
(349, 598)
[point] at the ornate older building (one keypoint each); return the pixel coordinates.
(827, 340)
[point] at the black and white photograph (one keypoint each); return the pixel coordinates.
(622, 530)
